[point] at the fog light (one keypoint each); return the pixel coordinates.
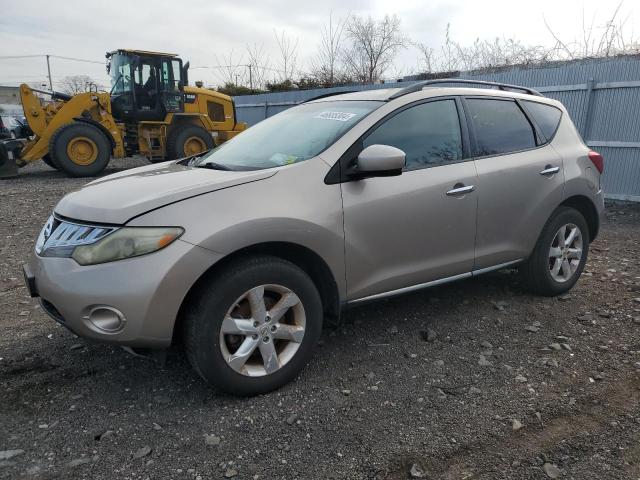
(107, 319)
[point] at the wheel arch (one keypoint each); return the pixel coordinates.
(299, 255)
(178, 121)
(588, 210)
(100, 127)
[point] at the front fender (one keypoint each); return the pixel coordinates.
(294, 206)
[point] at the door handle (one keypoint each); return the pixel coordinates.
(460, 189)
(549, 170)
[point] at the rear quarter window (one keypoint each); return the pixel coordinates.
(547, 117)
(500, 127)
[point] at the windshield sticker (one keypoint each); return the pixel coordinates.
(339, 116)
(283, 159)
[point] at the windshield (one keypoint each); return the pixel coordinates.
(120, 73)
(292, 136)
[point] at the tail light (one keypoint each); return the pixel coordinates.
(597, 160)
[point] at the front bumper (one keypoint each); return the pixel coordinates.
(145, 292)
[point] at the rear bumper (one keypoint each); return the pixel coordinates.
(599, 204)
(143, 294)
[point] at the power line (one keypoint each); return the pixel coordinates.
(11, 57)
(77, 59)
(5, 57)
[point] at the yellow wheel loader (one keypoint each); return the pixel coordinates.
(150, 110)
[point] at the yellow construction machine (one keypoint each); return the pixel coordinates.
(150, 110)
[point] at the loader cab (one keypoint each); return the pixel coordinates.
(145, 86)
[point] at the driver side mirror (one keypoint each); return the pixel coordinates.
(379, 161)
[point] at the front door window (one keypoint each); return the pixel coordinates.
(146, 86)
(171, 82)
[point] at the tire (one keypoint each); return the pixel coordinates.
(188, 140)
(537, 273)
(80, 150)
(47, 159)
(209, 350)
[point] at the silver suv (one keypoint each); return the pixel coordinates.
(240, 253)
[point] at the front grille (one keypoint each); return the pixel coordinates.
(59, 237)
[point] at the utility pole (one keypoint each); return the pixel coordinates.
(49, 71)
(250, 77)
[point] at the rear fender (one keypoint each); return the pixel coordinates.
(188, 118)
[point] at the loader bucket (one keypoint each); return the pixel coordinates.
(9, 150)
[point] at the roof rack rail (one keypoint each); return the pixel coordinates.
(325, 95)
(416, 87)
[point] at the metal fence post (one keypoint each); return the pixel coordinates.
(586, 119)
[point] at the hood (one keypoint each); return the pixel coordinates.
(119, 197)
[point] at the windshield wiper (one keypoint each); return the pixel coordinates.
(214, 166)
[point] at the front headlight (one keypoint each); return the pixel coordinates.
(126, 242)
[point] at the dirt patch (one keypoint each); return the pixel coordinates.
(435, 381)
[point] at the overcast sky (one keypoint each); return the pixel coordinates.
(205, 32)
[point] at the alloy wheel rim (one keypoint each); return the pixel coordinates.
(565, 253)
(263, 330)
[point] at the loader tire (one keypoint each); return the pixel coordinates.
(47, 159)
(188, 140)
(80, 150)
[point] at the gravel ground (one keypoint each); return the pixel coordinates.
(476, 379)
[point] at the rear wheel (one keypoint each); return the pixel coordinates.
(559, 255)
(188, 140)
(253, 327)
(80, 150)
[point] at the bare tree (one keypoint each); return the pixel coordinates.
(427, 57)
(449, 61)
(230, 67)
(258, 65)
(326, 67)
(606, 40)
(499, 52)
(74, 84)
(374, 44)
(288, 55)
(481, 54)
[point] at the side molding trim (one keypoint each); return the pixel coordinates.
(433, 283)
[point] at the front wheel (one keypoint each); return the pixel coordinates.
(559, 255)
(47, 159)
(80, 149)
(252, 327)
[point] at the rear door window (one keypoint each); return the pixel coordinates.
(500, 127)
(429, 134)
(546, 116)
